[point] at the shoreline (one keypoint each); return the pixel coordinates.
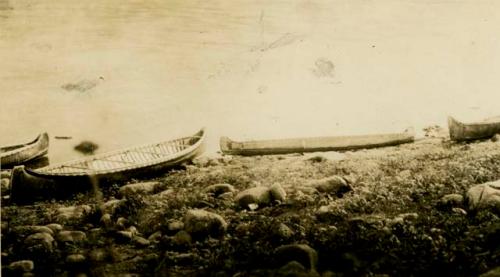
(390, 218)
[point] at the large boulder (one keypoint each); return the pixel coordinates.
(201, 223)
(484, 196)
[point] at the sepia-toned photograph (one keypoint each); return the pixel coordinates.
(317, 138)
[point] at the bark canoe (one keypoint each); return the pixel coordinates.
(22, 153)
(313, 144)
(65, 179)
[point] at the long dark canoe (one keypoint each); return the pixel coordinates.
(21, 153)
(65, 179)
(314, 144)
(470, 131)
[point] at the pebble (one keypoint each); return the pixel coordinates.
(31, 229)
(95, 234)
(124, 236)
(219, 189)
(374, 221)
(155, 237)
(72, 213)
(451, 200)
(201, 223)
(137, 188)
(496, 138)
(277, 193)
(292, 268)
(408, 216)
(133, 230)
(283, 231)
(174, 226)
(22, 266)
(56, 228)
(327, 213)
(495, 272)
(71, 236)
(4, 227)
(5, 174)
(5, 186)
(258, 195)
(43, 241)
(484, 196)
(106, 220)
(98, 255)
(332, 185)
(201, 161)
(121, 223)
(111, 206)
(181, 258)
(182, 240)
(226, 196)
(140, 241)
(75, 259)
(459, 211)
(165, 193)
(302, 253)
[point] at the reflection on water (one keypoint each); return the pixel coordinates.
(122, 73)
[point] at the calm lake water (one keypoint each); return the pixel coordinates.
(121, 73)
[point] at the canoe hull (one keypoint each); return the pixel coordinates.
(465, 132)
(319, 144)
(19, 154)
(29, 186)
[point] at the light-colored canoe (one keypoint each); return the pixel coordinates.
(22, 153)
(313, 144)
(470, 131)
(64, 179)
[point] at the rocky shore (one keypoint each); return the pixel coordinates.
(427, 208)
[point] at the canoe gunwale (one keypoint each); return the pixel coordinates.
(200, 136)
